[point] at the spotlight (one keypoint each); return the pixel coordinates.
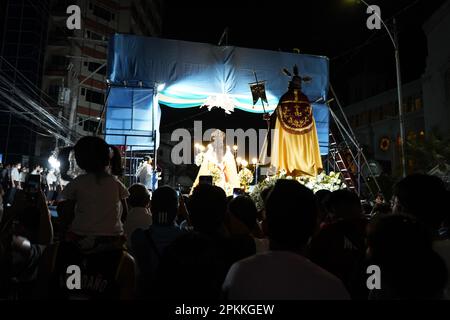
(161, 87)
(54, 163)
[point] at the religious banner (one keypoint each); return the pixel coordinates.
(258, 91)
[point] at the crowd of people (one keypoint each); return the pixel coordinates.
(15, 177)
(129, 243)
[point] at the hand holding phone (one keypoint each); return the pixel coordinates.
(205, 180)
(237, 192)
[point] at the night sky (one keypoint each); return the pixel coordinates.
(333, 28)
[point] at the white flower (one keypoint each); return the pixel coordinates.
(199, 159)
(245, 176)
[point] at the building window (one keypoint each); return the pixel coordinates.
(58, 62)
(396, 108)
(418, 104)
(53, 91)
(95, 36)
(364, 118)
(387, 110)
(90, 125)
(380, 113)
(92, 66)
(101, 12)
(94, 96)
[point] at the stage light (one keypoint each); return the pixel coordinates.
(254, 161)
(238, 160)
(54, 163)
(161, 87)
(98, 118)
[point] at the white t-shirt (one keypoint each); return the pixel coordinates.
(15, 175)
(51, 178)
(145, 174)
(281, 275)
(137, 218)
(98, 205)
(23, 176)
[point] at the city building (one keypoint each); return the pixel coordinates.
(23, 36)
(75, 60)
(426, 102)
(375, 122)
(436, 79)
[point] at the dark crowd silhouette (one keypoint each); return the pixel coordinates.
(130, 243)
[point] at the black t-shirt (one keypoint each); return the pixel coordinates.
(98, 271)
(340, 248)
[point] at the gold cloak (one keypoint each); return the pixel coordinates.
(295, 145)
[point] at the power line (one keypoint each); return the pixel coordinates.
(32, 85)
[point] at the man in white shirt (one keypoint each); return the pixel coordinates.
(145, 173)
(15, 175)
(283, 273)
(51, 180)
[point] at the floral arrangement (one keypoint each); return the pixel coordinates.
(217, 174)
(331, 182)
(245, 177)
(323, 181)
(199, 159)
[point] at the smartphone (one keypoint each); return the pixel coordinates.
(33, 184)
(237, 192)
(205, 180)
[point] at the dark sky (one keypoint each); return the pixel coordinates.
(334, 28)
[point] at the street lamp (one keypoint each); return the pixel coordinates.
(394, 40)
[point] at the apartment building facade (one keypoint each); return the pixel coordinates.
(75, 60)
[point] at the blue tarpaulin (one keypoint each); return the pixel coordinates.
(191, 74)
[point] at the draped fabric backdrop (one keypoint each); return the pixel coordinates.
(195, 74)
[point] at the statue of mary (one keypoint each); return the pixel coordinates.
(219, 163)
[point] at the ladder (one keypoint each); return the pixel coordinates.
(337, 163)
(354, 180)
